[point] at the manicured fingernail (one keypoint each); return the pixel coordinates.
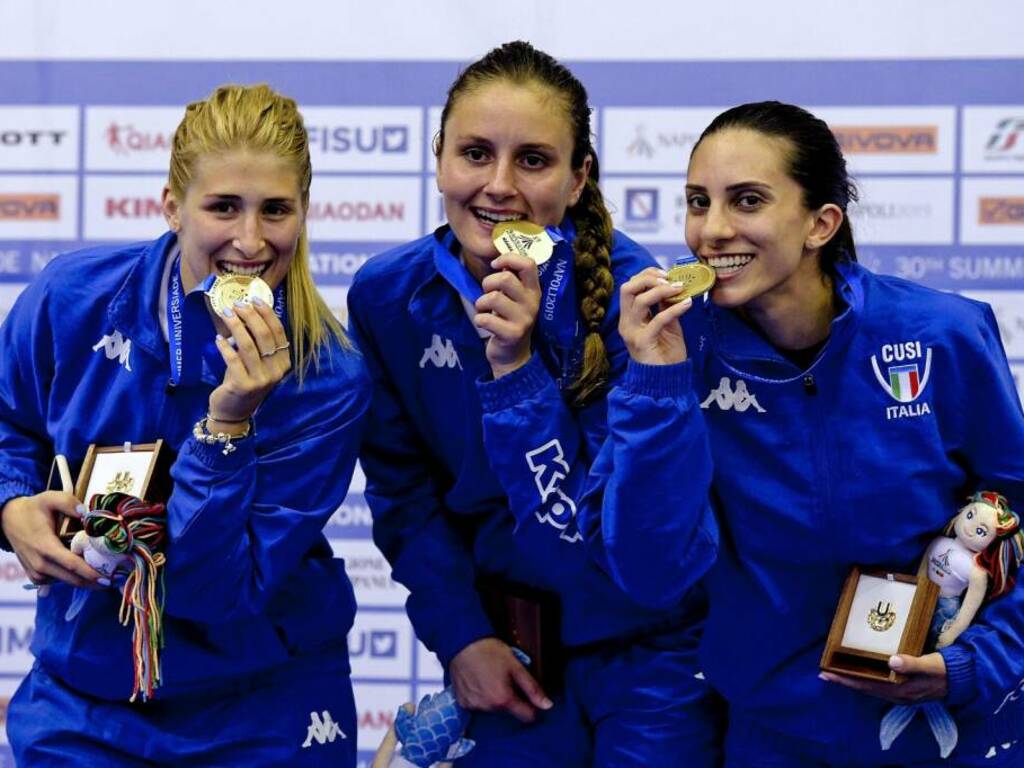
(823, 676)
(258, 302)
(80, 509)
(104, 581)
(662, 281)
(676, 284)
(895, 662)
(547, 704)
(239, 303)
(227, 312)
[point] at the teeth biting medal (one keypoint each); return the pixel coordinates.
(524, 238)
(227, 289)
(696, 278)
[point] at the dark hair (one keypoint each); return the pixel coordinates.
(816, 162)
(521, 63)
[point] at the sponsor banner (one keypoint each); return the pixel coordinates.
(370, 574)
(130, 138)
(1008, 307)
(649, 210)
(651, 140)
(12, 575)
(364, 138)
(351, 520)
(903, 211)
(894, 139)
(21, 261)
(376, 705)
(380, 645)
(16, 626)
(336, 297)
(38, 207)
(38, 138)
(434, 203)
(993, 139)
(337, 263)
(123, 207)
(8, 294)
(992, 210)
(428, 668)
(369, 208)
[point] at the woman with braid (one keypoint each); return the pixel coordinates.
(475, 353)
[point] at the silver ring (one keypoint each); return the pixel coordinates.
(283, 346)
(271, 353)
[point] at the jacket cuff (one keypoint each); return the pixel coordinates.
(961, 678)
(460, 633)
(12, 489)
(211, 455)
(674, 381)
(512, 388)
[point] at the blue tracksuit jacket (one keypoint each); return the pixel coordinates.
(250, 578)
(438, 424)
(860, 459)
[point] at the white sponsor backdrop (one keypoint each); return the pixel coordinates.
(925, 99)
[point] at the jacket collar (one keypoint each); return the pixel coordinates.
(134, 309)
(435, 301)
(748, 351)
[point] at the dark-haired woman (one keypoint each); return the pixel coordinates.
(847, 414)
(469, 348)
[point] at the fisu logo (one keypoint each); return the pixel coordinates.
(727, 397)
(440, 352)
(116, 346)
(549, 468)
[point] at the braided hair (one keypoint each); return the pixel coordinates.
(520, 63)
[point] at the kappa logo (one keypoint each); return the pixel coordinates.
(549, 468)
(726, 397)
(905, 383)
(440, 352)
(115, 345)
(323, 730)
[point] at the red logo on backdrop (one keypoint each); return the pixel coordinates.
(379, 719)
(1009, 133)
(132, 207)
(45, 207)
(12, 571)
(887, 139)
(356, 210)
(125, 139)
(1001, 210)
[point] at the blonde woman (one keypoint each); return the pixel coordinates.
(264, 407)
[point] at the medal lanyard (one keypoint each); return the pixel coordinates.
(188, 317)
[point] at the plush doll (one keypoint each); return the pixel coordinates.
(975, 560)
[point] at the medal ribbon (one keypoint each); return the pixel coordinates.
(189, 318)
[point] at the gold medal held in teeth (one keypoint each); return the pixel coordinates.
(696, 278)
(227, 289)
(525, 238)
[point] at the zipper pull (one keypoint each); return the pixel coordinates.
(810, 386)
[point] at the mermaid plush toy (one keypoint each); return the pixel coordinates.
(975, 560)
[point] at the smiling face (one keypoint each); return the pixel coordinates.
(746, 218)
(242, 213)
(507, 155)
(976, 525)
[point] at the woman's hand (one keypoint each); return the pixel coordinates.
(926, 680)
(255, 363)
(508, 309)
(30, 525)
(488, 678)
(657, 339)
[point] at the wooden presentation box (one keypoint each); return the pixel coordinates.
(879, 614)
(141, 470)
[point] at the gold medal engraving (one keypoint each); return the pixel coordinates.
(524, 238)
(881, 618)
(696, 278)
(227, 289)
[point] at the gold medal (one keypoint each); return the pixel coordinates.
(525, 238)
(227, 289)
(696, 278)
(881, 618)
